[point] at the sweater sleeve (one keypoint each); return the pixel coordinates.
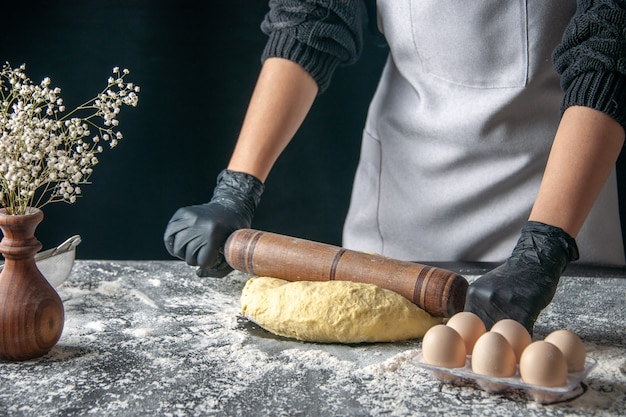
(591, 58)
(319, 35)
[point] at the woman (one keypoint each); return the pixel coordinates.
(467, 116)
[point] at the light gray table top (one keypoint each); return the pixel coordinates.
(149, 338)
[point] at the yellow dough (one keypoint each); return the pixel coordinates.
(333, 311)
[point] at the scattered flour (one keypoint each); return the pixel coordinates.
(183, 349)
(154, 282)
(97, 326)
(110, 288)
(143, 298)
(139, 332)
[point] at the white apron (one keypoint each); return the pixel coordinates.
(459, 131)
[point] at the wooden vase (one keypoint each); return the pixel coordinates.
(31, 311)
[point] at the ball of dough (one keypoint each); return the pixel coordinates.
(333, 311)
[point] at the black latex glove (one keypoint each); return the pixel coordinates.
(525, 284)
(197, 234)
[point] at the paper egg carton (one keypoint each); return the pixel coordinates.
(540, 394)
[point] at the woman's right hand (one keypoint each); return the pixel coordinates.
(197, 234)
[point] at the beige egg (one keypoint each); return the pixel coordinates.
(543, 364)
(443, 346)
(571, 346)
(469, 326)
(493, 356)
(515, 333)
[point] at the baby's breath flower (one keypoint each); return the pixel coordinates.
(45, 155)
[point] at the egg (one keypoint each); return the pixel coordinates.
(542, 363)
(571, 346)
(469, 326)
(515, 333)
(443, 346)
(493, 356)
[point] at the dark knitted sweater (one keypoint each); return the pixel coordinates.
(320, 35)
(591, 58)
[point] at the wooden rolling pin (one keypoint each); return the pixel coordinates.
(438, 291)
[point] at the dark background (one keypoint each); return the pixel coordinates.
(196, 63)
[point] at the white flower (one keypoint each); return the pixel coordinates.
(44, 155)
